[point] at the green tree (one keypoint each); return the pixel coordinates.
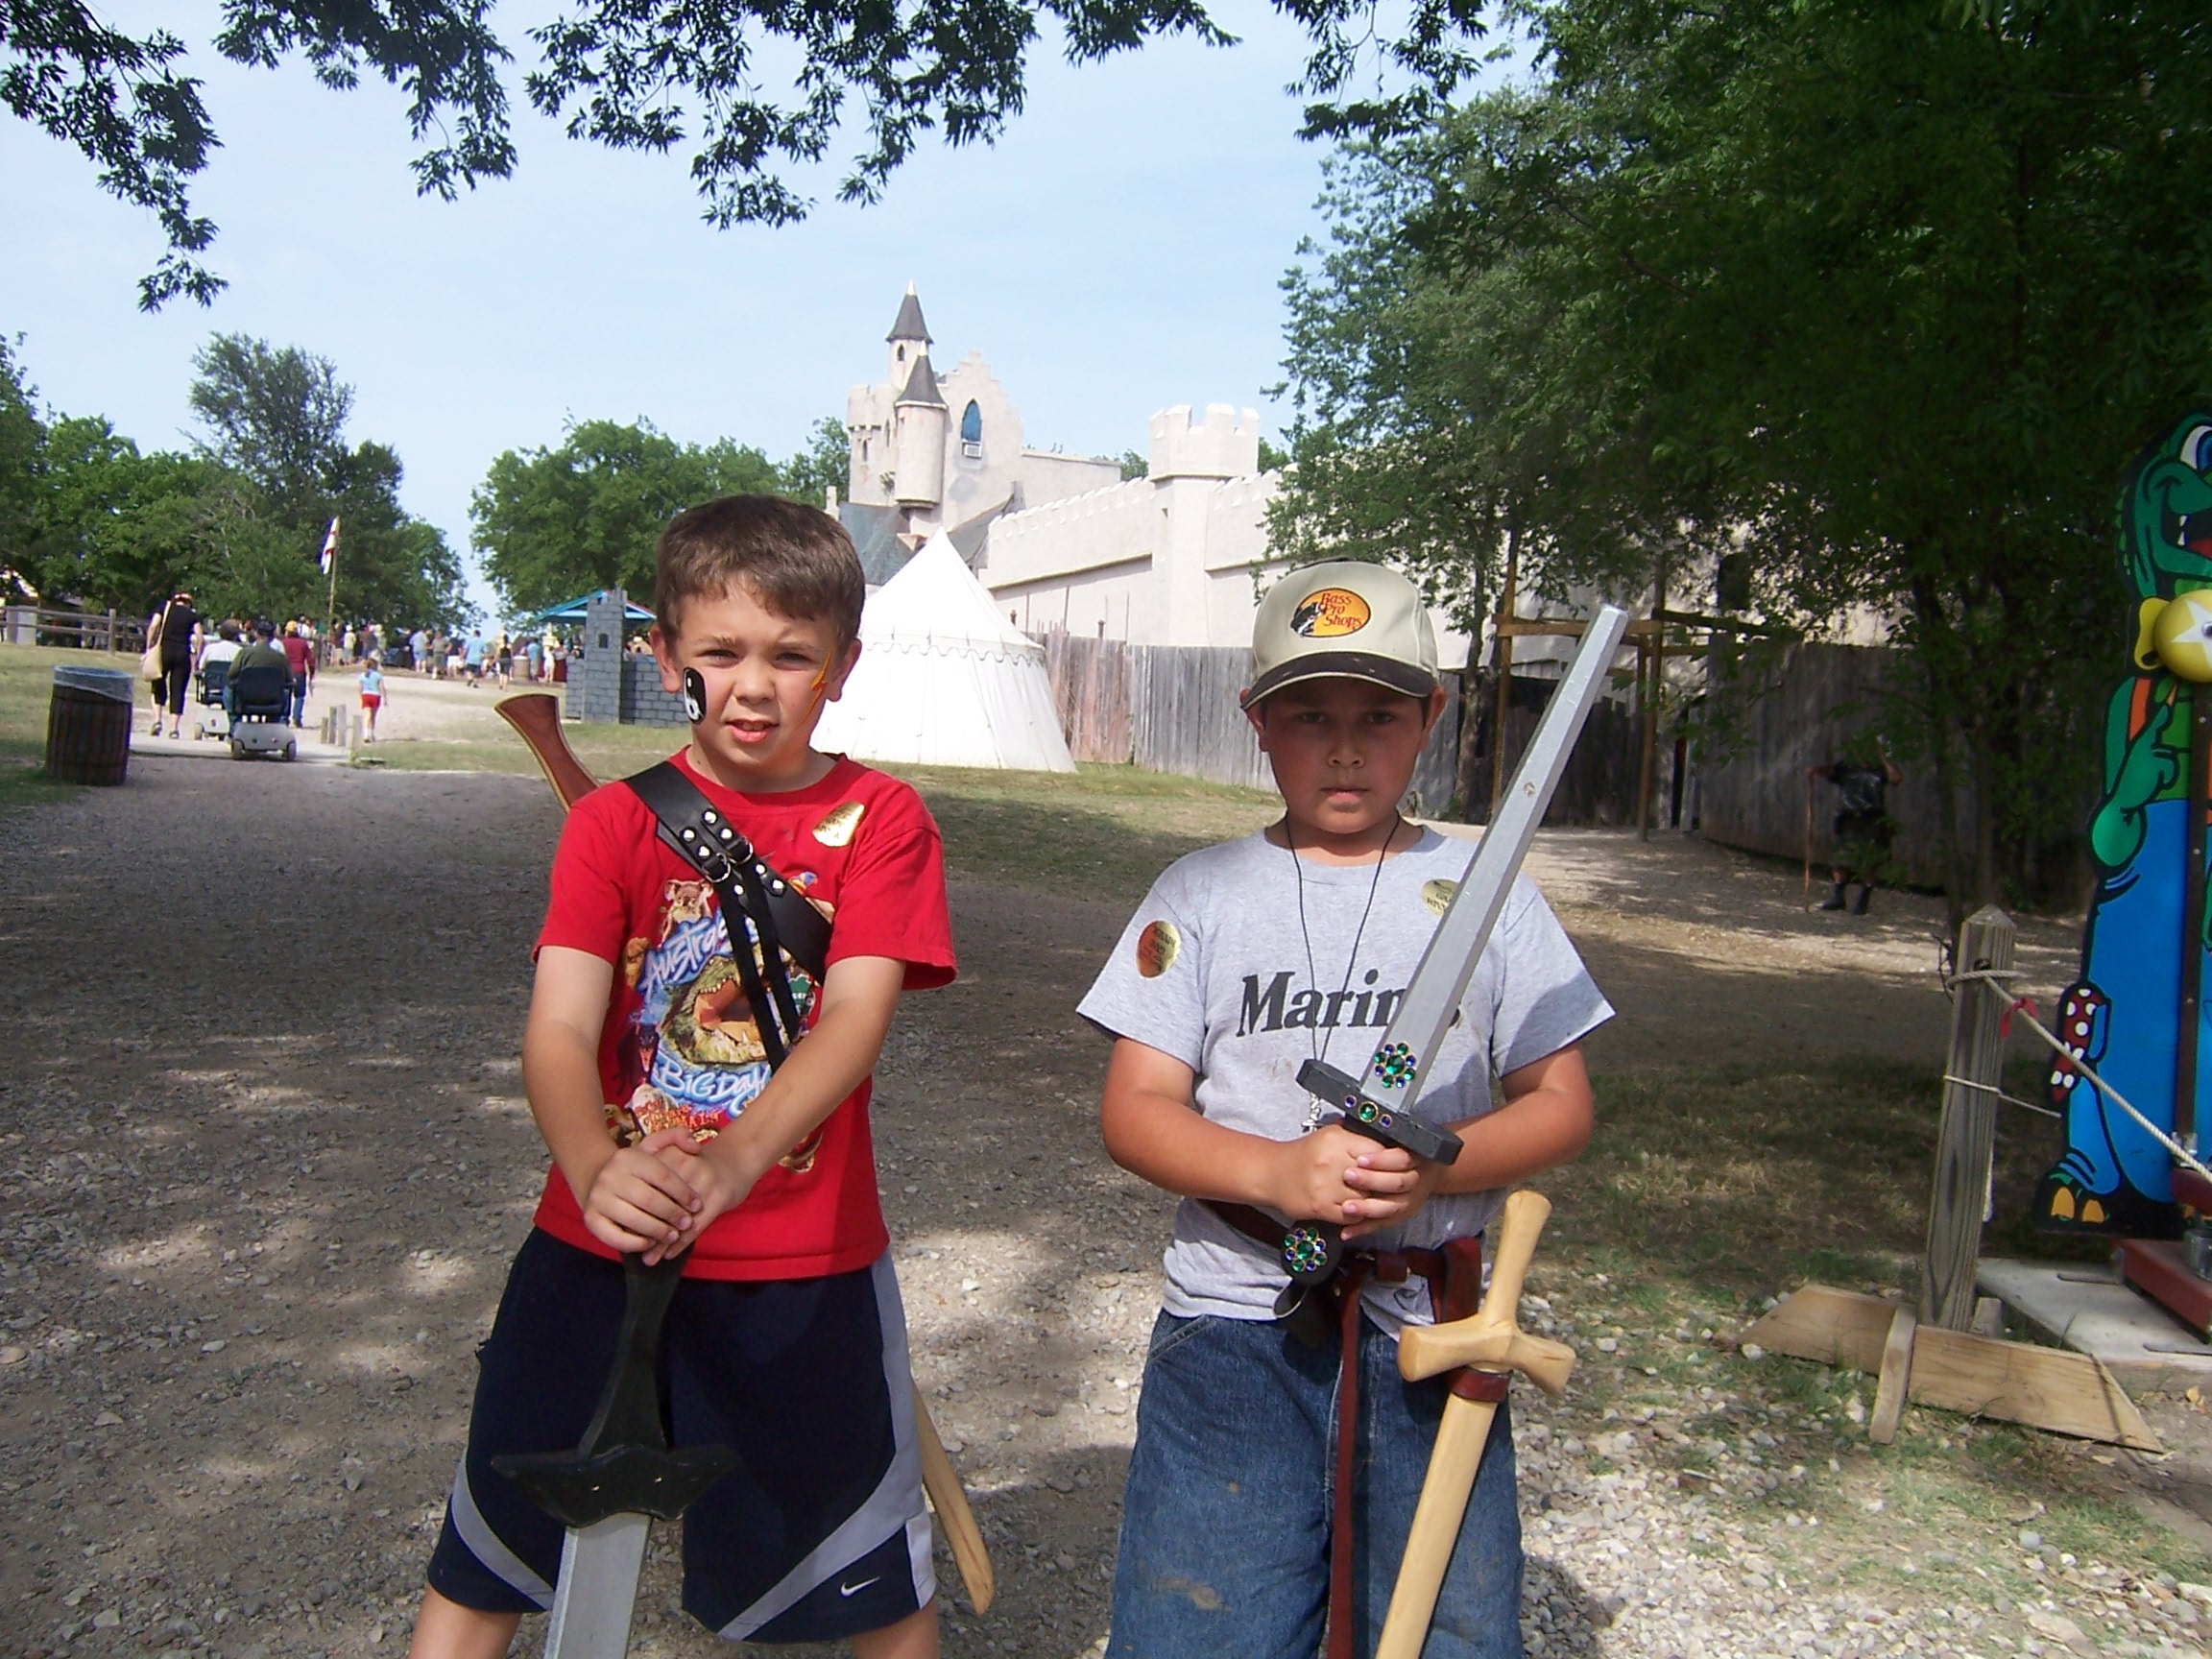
(1894, 292)
(277, 416)
(120, 528)
(22, 441)
(392, 568)
(656, 77)
(552, 523)
(825, 463)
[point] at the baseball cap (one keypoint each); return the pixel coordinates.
(1343, 619)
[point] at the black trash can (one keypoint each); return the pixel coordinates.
(88, 725)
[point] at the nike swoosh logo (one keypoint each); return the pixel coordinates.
(855, 1589)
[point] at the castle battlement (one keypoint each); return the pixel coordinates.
(1107, 498)
(1223, 444)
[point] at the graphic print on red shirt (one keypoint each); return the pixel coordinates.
(681, 1045)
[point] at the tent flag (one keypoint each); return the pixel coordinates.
(944, 679)
(330, 547)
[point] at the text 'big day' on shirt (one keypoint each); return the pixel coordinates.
(681, 1047)
(1213, 970)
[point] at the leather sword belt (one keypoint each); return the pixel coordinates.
(1331, 1308)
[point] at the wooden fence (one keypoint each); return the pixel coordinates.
(91, 630)
(1771, 717)
(1173, 708)
(1599, 783)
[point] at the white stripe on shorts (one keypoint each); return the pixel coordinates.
(896, 1504)
(496, 1558)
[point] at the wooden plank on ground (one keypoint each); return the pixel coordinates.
(2051, 1388)
(1834, 1327)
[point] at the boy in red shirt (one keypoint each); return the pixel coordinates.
(648, 1071)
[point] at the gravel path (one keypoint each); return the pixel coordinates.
(264, 1158)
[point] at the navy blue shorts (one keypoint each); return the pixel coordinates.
(820, 1533)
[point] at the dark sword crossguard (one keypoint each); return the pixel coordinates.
(623, 1465)
(1312, 1249)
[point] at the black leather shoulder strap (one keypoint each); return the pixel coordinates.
(751, 891)
(677, 803)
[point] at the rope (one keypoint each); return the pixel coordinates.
(2024, 1007)
(2008, 1099)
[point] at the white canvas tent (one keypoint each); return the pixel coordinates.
(944, 680)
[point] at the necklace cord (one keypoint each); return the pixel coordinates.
(1318, 1043)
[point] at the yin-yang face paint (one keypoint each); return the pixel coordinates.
(694, 696)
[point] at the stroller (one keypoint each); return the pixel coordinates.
(259, 700)
(215, 721)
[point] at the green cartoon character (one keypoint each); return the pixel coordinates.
(2123, 1013)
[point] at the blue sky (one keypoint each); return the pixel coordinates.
(1118, 250)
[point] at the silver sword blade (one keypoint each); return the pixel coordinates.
(1433, 997)
(599, 1589)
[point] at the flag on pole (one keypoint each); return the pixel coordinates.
(330, 547)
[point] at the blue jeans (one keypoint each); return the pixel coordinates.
(299, 701)
(1225, 1523)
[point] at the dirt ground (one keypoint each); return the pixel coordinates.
(264, 1159)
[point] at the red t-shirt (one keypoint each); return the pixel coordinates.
(297, 654)
(681, 1047)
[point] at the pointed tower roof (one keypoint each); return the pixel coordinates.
(909, 324)
(922, 385)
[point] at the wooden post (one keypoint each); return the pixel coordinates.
(1648, 681)
(1503, 659)
(111, 631)
(2192, 917)
(1967, 1136)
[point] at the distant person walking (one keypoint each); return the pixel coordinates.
(174, 626)
(1863, 827)
(371, 697)
(419, 651)
(474, 654)
(300, 658)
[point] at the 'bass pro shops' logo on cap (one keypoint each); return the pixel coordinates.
(1330, 613)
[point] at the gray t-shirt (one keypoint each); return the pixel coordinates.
(1213, 970)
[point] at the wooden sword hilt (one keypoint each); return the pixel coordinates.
(1492, 1339)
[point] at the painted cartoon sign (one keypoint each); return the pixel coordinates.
(2124, 1014)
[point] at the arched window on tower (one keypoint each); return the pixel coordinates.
(972, 432)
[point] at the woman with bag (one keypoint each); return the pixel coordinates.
(168, 659)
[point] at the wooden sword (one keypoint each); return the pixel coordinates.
(1491, 1341)
(536, 716)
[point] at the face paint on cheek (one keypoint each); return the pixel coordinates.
(694, 696)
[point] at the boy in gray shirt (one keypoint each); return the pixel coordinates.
(1277, 1465)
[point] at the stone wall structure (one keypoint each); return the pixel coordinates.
(609, 684)
(595, 678)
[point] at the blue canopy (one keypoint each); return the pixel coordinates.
(572, 611)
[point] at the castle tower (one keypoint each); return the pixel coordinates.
(919, 422)
(908, 339)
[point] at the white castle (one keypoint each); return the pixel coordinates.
(1059, 541)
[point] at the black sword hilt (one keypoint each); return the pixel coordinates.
(1312, 1250)
(623, 1465)
(1398, 1126)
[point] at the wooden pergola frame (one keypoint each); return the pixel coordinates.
(1648, 635)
